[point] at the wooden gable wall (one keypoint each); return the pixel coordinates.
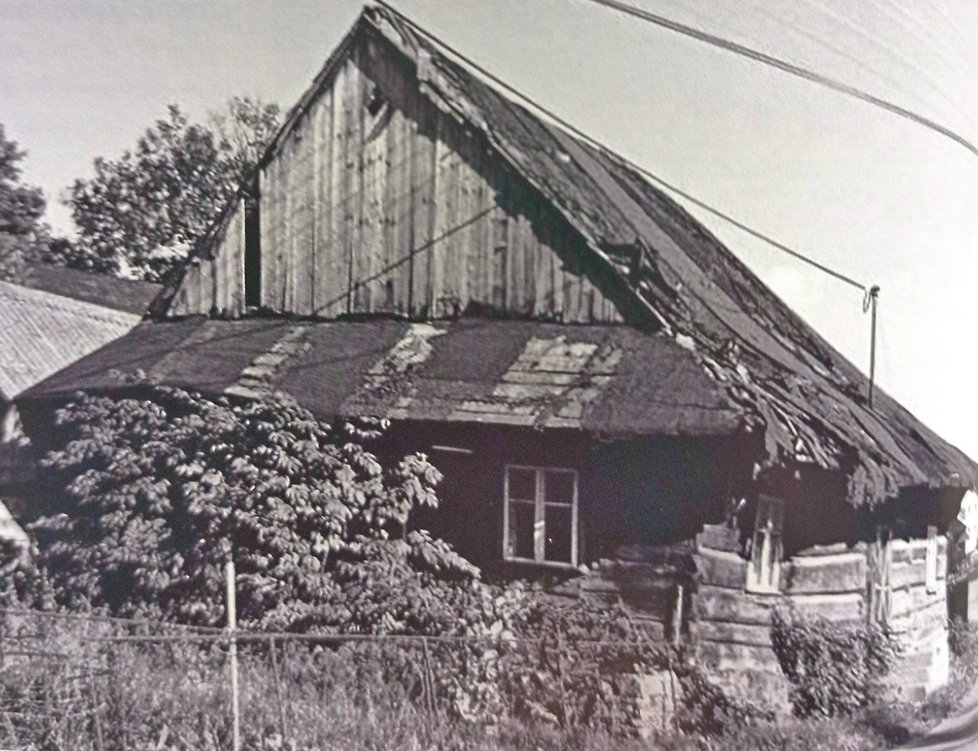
(378, 202)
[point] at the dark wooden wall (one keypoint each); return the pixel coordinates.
(378, 202)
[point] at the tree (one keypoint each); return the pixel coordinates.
(144, 211)
(23, 236)
(151, 496)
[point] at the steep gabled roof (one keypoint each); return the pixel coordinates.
(809, 400)
(810, 397)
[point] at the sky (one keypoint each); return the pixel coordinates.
(872, 195)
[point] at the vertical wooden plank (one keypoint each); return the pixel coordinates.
(362, 256)
(543, 267)
(319, 230)
(402, 235)
(358, 300)
(236, 300)
(473, 236)
(269, 233)
(304, 187)
(460, 249)
(334, 244)
(531, 249)
(371, 255)
(206, 286)
(401, 184)
(424, 207)
(397, 189)
(500, 241)
(446, 211)
(557, 267)
(287, 247)
(349, 186)
(572, 280)
(275, 301)
(515, 294)
(485, 230)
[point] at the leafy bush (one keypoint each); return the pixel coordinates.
(577, 665)
(963, 643)
(151, 496)
(834, 668)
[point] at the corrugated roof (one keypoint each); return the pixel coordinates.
(608, 380)
(41, 333)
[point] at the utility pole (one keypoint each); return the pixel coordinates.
(233, 655)
(874, 293)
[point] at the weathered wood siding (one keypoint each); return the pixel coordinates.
(919, 616)
(216, 284)
(731, 627)
(378, 202)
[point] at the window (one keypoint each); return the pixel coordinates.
(764, 569)
(540, 515)
(930, 562)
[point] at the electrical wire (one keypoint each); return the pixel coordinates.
(598, 145)
(787, 67)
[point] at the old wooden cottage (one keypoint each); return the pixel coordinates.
(618, 404)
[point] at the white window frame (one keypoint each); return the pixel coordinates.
(540, 506)
(764, 566)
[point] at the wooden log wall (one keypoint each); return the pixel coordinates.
(378, 202)
(831, 581)
(731, 628)
(919, 616)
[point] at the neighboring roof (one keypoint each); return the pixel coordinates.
(40, 333)
(127, 295)
(607, 380)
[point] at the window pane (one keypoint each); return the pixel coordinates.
(522, 484)
(559, 487)
(558, 528)
(520, 540)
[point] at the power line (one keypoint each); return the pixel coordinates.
(787, 67)
(600, 147)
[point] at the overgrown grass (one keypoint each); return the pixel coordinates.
(65, 685)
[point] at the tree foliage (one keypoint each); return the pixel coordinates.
(23, 235)
(152, 496)
(144, 211)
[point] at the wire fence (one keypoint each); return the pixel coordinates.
(90, 682)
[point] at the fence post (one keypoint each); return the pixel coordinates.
(233, 654)
(677, 616)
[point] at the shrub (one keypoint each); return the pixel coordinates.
(963, 644)
(149, 498)
(834, 668)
